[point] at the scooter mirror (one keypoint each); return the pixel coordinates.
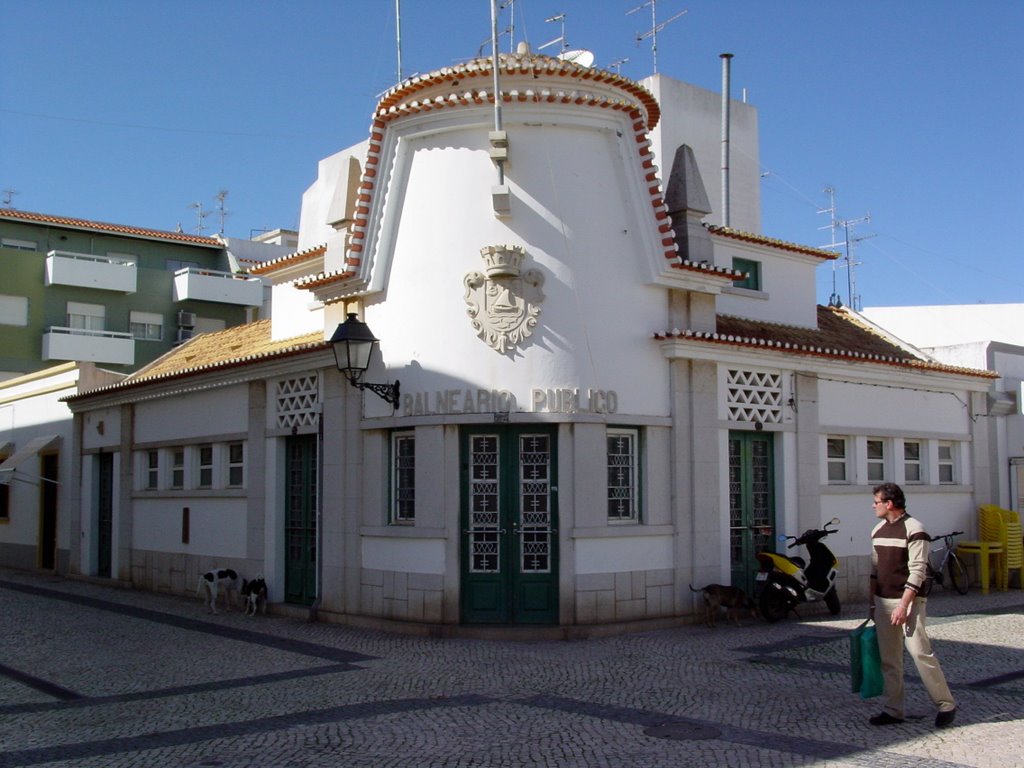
(781, 537)
(834, 521)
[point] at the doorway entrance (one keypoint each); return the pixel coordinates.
(751, 503)
(48, 485)
(509, 546)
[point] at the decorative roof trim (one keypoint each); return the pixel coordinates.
(114, 229)
(289, 259)
(749, 237)
(812, 350)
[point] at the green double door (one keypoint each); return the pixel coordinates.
(751, 503)
(509, 540)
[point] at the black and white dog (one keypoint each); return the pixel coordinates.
(215, 582)
(254, 595)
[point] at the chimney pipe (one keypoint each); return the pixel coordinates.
(725, 138)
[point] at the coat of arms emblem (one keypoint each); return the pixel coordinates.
(504, 302)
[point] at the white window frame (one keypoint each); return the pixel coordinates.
(623, 475)
(946, 465)
(204, 454)
(13, 310)
(235, 464)
(19, 245)
(86, 317)
(875, 462)
(177, 466)
(151, 470)
(403, 478)
(914, 467)
(837, 465)
(146, 326)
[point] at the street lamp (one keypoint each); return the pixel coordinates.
(353, 343)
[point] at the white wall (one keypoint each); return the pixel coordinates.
(693, 116)
(934, 326)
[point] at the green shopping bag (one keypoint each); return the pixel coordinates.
(865, 661)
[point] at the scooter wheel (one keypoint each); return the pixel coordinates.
(773, 604)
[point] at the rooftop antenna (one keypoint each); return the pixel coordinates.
(9, 194)
(222, 213)
(847, 244)
(655, 28)
(201, 215)
(398, 35)
(560, 17)
(510, 30)
(617, 65)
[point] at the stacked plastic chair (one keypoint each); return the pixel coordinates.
(989, 547)
(1013, 545)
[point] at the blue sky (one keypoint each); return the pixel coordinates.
(130, 111)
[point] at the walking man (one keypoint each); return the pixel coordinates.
(899, 588)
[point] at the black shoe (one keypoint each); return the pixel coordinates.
(886, 719)
(945, 719)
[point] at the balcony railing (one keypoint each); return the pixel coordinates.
(223, 287)
(61, 343)
(85, 271)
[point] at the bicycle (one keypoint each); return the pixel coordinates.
(948, 563)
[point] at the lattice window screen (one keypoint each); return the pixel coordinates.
(754, 396)
(297, 401)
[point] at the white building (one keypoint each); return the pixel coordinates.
(602, 401)
(986, 336)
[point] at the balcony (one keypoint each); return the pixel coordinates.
(93, 346)
(222, 287)
(84, 271)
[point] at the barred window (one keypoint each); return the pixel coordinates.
(622, 476)
(403, 474)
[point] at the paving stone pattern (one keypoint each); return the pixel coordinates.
(91, 675)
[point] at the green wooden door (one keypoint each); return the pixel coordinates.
(300, 519)
(751, 503)
(509, 522)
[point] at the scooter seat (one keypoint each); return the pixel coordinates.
(799, 561)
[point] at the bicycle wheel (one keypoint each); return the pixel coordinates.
(957, 574)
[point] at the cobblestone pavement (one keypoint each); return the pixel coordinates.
(91, 675)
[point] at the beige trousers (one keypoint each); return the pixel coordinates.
(891, 640)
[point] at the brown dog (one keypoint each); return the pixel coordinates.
(732, 599)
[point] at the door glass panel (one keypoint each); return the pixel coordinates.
(484, 511)
(535, 503)
(736, 526)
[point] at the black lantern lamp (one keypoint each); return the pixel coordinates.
(353, 343)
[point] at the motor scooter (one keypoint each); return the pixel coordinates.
(783, 582)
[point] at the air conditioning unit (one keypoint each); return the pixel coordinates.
(184, 334)
(186, 319)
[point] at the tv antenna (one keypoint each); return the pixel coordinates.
(617, 65)
(655, 28)
(201, 216)
(9, 194)
(222, 213)
(848, 245)
(510, 30)
(559, 17)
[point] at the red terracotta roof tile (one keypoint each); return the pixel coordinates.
(288, 259)
(750, 237)
(13, 214)
(840, 335)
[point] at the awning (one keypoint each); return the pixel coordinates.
(26, 452)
